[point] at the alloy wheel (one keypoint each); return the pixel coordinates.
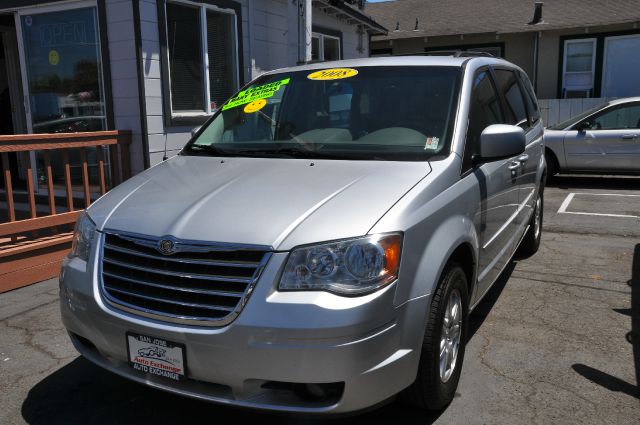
(450, 336)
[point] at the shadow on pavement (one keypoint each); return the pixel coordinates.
(482, 310)
(594, 182)
(82, 393)
(605, 380)
(633, 337)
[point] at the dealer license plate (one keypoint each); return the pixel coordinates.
(156, 356)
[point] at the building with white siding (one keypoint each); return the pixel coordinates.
(156, 67)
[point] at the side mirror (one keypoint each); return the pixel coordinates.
(500, 141)
(583, 126)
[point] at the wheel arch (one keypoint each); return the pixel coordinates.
(455, 238)
(553, 156)
(465, 257)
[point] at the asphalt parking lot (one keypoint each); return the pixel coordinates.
(557, 340)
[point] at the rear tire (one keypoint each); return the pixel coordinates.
(531, 241)
(446, 332)
(553, 167)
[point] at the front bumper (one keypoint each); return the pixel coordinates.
(364, 343)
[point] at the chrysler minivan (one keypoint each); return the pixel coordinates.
(318, 244)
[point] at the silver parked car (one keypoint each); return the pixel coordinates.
(602, 139)
(319, 243)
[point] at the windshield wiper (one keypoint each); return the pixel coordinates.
(301, 151)
(209, 149)
(277, 152)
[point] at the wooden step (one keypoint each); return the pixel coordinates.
(33, 261)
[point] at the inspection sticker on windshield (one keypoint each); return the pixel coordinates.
(432, 143)
(249, 95)
(156, 356)
(333, 74)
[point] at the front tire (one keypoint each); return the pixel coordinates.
(443, 345)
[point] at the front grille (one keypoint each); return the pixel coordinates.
(199, 283)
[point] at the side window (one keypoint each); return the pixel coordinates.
(515, 111)
(621, 118)
(484, 110)
(530, 99)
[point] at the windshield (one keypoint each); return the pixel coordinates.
(576, 119)
(368, 113)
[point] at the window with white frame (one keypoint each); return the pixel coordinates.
(325, 47)
(579, 68)
(202, 56)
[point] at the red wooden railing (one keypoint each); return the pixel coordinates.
(32, 246)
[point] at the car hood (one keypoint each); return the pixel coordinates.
(554, 133)
(279, 203)
(552, 137)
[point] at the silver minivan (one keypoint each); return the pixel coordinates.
(319, 243)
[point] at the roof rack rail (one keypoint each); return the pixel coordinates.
(454, 53)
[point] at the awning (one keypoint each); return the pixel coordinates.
(340, 10)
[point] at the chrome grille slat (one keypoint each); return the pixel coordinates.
(131, 308)
(182, 260)
(173, 288)
(177, 274)
(164, 300)
(198, 284)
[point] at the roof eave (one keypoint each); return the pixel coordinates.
(542, 27)
(339, 8)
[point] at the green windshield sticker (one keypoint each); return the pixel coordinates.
(264, 91)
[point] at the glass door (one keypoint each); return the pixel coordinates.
(620, 69)
(12, 119)
(63, 81)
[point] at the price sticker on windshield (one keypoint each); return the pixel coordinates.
(333, 74)
(253, 94)
(255, 106)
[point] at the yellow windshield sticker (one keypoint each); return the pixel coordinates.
(249, 95)
(54, 57)
(255, 106)
(333, 74)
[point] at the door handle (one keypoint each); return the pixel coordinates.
(514, 165)
(628, 136)
(523, 158)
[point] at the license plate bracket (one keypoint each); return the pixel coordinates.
(156, 356)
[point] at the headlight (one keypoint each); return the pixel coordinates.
(82, 237)
(349, 267)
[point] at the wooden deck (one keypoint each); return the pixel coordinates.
(33, 243)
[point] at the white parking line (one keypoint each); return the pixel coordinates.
(607, 194)
(601, 215)
(570, 196)
(565, 203)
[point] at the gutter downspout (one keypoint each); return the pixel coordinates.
(250, 35)
(307, 30)
(536, 54)
(299, 14)
(144, 133)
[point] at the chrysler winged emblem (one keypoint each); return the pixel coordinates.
(166, 247)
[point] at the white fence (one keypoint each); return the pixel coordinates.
(554, 111)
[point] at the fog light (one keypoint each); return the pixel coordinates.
(318, 392)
